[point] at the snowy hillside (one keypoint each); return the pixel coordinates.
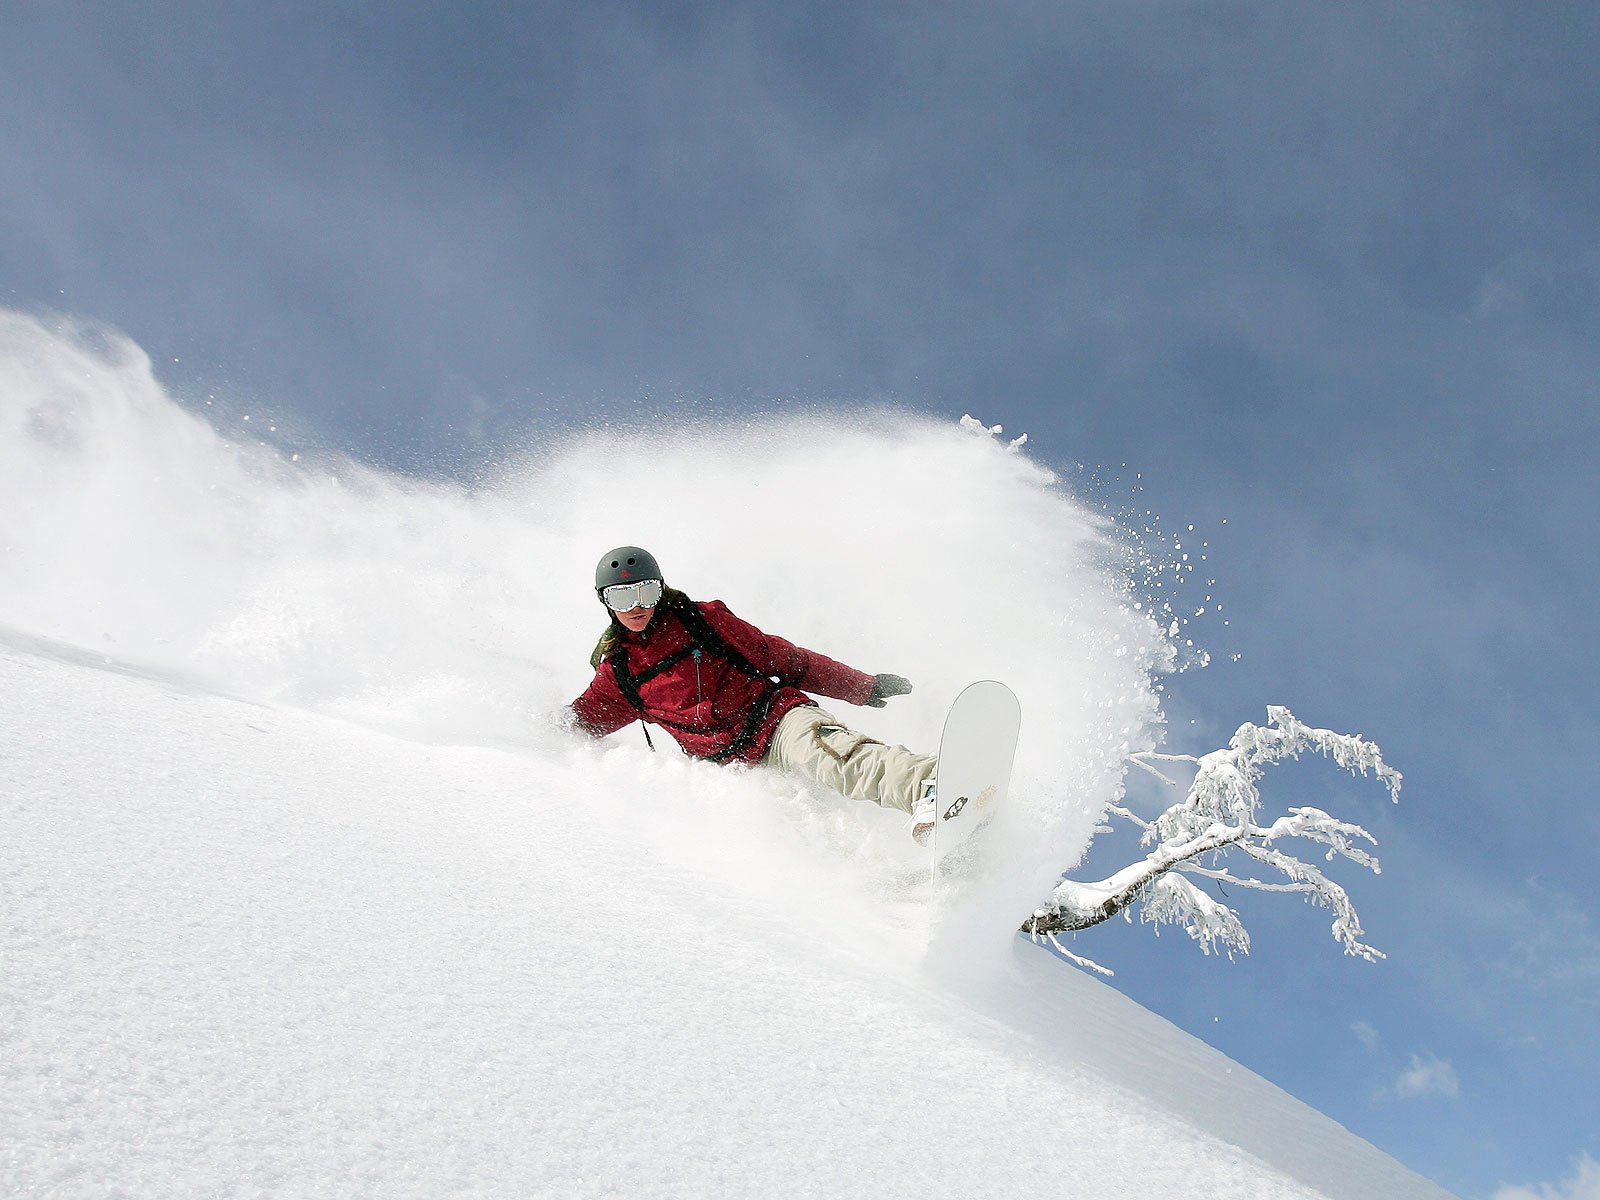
(252, 951)
(299, 893)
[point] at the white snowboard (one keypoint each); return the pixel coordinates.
(975, 757)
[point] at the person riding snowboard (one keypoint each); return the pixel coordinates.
(727, 692)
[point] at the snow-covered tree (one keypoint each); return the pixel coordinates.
(1220, 814)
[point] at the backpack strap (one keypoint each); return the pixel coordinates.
(707, 638)
(702, 638)
(628, 683)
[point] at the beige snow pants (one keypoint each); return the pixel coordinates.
(814, 744)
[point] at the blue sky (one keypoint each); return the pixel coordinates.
(1330, 274)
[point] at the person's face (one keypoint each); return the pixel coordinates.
(633, 604)
(636, 619)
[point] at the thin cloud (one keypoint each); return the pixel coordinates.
(1584, 1185)
(1426, 1075)
(1559, 947)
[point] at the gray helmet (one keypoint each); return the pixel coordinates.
(625, 564)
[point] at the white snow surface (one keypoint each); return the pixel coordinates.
(302, 894)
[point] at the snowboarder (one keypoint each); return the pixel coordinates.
(728, 692)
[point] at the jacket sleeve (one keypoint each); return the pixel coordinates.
(601, 709)
(791, 664)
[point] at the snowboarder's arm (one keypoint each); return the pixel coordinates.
(601, 709)
(791, 664)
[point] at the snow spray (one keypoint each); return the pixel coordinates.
(138, 530)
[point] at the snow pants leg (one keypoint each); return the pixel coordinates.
(814, 744)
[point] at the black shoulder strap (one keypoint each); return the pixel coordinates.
(705, 636)
(702, 637)
(709, 639)
(626, 683)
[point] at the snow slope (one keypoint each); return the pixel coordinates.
(254, 951)
(300, 894)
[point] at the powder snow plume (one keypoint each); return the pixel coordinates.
(136, 531)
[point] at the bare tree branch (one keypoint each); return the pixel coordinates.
(1219, 814)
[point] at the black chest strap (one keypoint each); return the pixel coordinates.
(628, 683)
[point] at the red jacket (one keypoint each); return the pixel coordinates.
(706, 704)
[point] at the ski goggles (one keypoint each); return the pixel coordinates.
(624, 597)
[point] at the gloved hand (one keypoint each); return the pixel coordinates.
(884, 686)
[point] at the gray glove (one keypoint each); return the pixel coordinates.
(884, 686)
